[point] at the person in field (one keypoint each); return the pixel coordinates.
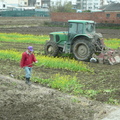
(27, 61)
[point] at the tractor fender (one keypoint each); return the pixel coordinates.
(85, 36)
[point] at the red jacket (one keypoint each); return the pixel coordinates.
(27, 59)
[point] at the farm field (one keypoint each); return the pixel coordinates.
(101, 83)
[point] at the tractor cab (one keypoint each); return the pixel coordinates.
(80, 28)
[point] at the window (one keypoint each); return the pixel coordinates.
(25, 3)
(72, 28)
(90, 7)
(90, 27)
(118, 15)
(96, 7)
(107, 15)
(89, 3)
(95, 3)
(38, 3)
(3, 5)
(80, 28)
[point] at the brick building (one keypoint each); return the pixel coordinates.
(110, 14)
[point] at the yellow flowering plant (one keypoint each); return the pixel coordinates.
(16, 37)
(51, 62)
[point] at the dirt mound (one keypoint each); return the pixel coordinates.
(20, 101)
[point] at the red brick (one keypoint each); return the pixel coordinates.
(99, 17)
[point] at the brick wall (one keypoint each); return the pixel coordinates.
(99, 17)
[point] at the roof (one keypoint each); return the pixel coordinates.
(111, 7)
(103, 7)
(78, 21)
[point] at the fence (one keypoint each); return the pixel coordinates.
(26, 13)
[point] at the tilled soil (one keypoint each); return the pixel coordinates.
(34, 25)
(21, 102)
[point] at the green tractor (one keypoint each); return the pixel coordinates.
(81, 40)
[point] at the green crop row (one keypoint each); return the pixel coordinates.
(112, 43)
(27, 38)
(16, 37)
(51, 62)
(72, 85)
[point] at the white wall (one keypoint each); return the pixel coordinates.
(12, 2)
(90, 4)
(38, 2)
(3, 5)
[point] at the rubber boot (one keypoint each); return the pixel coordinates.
(28, 81)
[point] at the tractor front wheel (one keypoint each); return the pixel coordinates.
(82, 50)
(51, 48)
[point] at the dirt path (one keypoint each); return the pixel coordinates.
(115, 115)
(20, 101)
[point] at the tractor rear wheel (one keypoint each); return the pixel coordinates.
(82, 50)
(51, 48)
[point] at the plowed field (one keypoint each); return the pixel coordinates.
(21, 102)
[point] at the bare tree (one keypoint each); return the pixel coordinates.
(66, 7)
